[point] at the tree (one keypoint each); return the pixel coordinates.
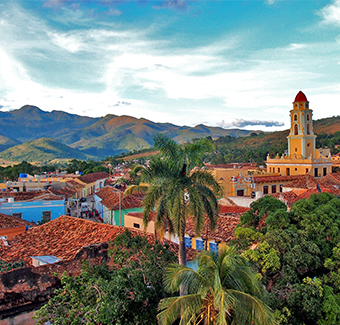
(224, 290)
(176, 187)
(297, 254)
(128, 293)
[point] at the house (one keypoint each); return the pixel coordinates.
(32, 206)
(112, 205)
(228, 219)
(92, 182)
(11, 226)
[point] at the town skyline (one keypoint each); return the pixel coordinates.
(232, 64)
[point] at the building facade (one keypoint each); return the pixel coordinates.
(302, 157)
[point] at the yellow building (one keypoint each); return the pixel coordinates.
(302, 157)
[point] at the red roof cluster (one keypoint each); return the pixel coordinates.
(110, 198)
(64, 238)
(91, 178)
(227, 209)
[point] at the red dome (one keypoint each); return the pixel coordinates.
(300, 97)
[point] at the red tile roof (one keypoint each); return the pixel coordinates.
(304, 182)
(266, 179)
(7, 221)
(140, 215)
(227, 209)
(287, 197)
(31, 196)
(91, 178)
(110, 198)
(224, 231)
(64, 191)
(63, 237)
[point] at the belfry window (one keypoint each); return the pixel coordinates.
(308, 129)
(296, 130)
(307, 117)
(295, 117)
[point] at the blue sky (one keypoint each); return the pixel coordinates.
(220, 63)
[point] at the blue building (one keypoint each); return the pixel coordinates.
(45, 206)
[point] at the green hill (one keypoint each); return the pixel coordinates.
(44, 149)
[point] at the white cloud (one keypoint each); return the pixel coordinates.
(331, 13)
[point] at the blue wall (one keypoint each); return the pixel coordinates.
(33, 211)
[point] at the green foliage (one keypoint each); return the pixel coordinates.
(127, 294)
(12, 172)
(260, 209)
(298, 255)
(7, 266)
(177, 188)
(224, 290)
(86, 167)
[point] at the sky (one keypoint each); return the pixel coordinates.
(231, 64)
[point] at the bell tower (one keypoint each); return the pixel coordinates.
(301, 139)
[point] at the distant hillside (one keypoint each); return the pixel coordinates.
(257, 146)
(113, 135)
(42, 150)
(6, 142)
(30, 122)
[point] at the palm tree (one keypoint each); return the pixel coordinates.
(175, 189)
(224, 290)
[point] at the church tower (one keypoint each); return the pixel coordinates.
(301, 139)
(302, 157)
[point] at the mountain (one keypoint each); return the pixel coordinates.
(113, 135)
(42, 150)
(34, 123)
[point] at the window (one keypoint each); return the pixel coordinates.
(136, 225)
(308, 129)
(296, 130)
(315, 172)
(46, 216)
(270, 169)
(287, 171)
(273, 189)
(280, 188)
(307, 117)
(296, 169)
(324, 171)
(279, 170)
(18, 215)
(295, 117)
(213, 247)
(199, 244)
(306, 170)
(240, 193)
(295, 149)
(273, 169)
(187, 242)
(265, 189)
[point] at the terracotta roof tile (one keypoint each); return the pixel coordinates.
(224, 230)
(63, 237)
(90, 178)
(265, 178)
(227, 209)
(7, 221)
(110, 198)
(30, 196)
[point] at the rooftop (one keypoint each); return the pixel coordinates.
(7, 221)
(91, 178)
(300, 97)
(64, 238)
(110, 198)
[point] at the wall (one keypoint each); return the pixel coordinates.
(33, 211)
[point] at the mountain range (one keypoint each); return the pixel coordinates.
(32, 134)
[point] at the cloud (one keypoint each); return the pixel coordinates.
(54, 3)
(241, 123)
(331, 13)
